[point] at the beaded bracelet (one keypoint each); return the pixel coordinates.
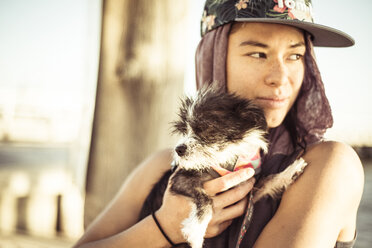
(161, 229)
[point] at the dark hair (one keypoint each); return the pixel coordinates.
(311, 77)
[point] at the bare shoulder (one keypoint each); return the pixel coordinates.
(123, 211)
(337, 160)
(331, 149)
(139, 183)
(333, 182)
(151, 169)
(336, 173)
(339, 167)
(322, 202)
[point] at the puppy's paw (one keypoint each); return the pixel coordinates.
(296, 169)
(275, 185)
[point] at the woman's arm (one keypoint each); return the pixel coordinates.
(321, 206)
(117, 225)
(123, 211)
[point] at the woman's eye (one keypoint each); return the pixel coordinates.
(295, 57)
(257, 55)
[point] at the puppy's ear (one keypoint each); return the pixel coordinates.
(253, 114)
(180, 126)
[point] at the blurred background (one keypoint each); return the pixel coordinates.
(88, 87)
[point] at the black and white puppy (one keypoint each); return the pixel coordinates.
(217, 128)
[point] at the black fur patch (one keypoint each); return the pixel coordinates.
(190, 183)
(155, 199)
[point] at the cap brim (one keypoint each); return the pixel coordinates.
(323, 36)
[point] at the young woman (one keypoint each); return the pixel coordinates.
(260, 50)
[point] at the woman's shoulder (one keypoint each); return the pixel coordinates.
(140, 182)
(123, 211)
(331, 146)
(159, 160)
(152, 168)
(330, 188)
(337, 157)
(335, 173)
(338, 162)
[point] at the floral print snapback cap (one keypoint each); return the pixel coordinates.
(297, 13)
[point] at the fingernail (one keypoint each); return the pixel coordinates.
(249, 172)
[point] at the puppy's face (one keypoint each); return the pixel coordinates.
(216, 128)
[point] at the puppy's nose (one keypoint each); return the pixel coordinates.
(181, 149)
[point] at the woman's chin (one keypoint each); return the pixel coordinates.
(274, 121)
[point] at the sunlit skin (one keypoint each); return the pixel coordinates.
(265, 64)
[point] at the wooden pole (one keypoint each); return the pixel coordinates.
(140, 80)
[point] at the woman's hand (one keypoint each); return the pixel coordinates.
(229, 201)
(229, 198)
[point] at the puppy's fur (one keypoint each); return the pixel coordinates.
(216, 129)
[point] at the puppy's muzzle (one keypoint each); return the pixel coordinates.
(181, 150)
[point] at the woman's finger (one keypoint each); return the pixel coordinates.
(234, 211)
(233, 195)
(221, 184)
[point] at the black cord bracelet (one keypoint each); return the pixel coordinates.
(161, 229)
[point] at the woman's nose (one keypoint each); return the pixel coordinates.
(277, 74)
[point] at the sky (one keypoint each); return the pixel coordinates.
(48, 43)
(347, 72)
(53, 45)
(48, 66)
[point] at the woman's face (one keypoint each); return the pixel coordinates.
(265, 63)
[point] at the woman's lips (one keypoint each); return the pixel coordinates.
(272, 102)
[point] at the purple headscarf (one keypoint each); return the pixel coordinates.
(311, 113)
